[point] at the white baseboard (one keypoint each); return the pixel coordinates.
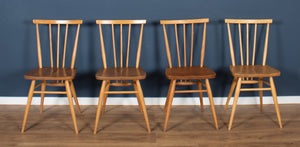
(148, 100)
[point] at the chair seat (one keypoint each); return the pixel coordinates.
(254, 71)
(195, 72)
(121, 73)
(48, 73)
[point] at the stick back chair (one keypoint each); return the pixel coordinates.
(247, 72)
(59, 75)
(184, 74)
(124, 75)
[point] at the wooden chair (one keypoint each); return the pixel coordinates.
(124, 75)
(247, 73)
(185, 74)
(60, 75)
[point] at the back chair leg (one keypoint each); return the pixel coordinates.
(30, 94)
(275, 100)
(172, 91)
(142, 102)
(105, 99)
(101, 96)
(212, 106)
(236, 96)
(68, 89)
(230, 92)
(138, 97)
(260, 85)
(43, 88)
(200, 95)
(75, 96)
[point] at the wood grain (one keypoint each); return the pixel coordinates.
(130, 73)
(254, 71)
(125, 126)
(47, 73)
(189, 73)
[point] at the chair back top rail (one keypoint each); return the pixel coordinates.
(142, 21)
(247, 22)
(58, 23)
(41, 21)
(121, 23)
(184, 24)
(185, 21)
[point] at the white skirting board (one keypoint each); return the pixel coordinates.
(148, 100)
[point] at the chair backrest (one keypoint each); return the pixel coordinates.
(248, 23)
(191, 23)
(121, 23)
(58, 24)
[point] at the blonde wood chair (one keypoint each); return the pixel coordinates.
(184, 74)
(122, 75)
(59, 75)
(247, 72)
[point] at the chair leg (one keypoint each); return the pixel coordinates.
(230, 92)
(141, 97)
(105, 99)
(68, 90)
(101, 95)
(138, 97)
(43, 88)
(236, 96)
(168, 98)
(212, 106)
(275, 100)
(75, 96)
(260, 85)
(30, 94)
(172, 91)
(200, 96)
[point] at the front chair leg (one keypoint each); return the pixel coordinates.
(105, 98)
(68, 90)
(141, 97)
(236, 96)
(101, 95)
(230, 92)
(30, 94)
(275, 100)
(172, 91)
(212, 106)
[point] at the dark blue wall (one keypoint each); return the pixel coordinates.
(18, 44)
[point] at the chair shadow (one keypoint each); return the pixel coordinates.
(211, 120)
(107, 126)
(181, 122)
(150, 117)
(241, 122)
(269, 116)
(31, 126)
